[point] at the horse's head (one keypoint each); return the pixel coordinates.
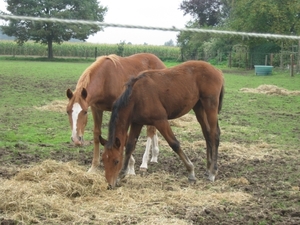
(112, 159)
(77, 112)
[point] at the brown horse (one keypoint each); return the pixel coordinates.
(156, 96)
(98, 87)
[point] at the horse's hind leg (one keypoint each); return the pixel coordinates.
(207, 115)
(202, 119)
(97, 116)
(164, 128)
(152, 141)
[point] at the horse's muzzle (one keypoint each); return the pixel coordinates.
(78, 140)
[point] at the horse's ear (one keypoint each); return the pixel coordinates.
(83, 93)
(69, 94)
(117, 143)
(102, 140)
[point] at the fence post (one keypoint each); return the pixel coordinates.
(266, 60)
(271, 59)
(292, 65)
(229, 60)
(298, 58)
(281, 56)
(96, 53)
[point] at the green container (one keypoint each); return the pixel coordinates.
(263, 70)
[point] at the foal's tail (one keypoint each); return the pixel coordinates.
(221, 98)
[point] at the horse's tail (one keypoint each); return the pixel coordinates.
(221, 98)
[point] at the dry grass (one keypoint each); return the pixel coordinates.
(56, 105)
(55, 193)
(270, 90)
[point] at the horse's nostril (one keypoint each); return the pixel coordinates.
(80, 138)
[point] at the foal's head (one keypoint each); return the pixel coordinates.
(112, 159)
(77, 112)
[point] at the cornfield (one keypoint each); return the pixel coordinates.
(85, 50)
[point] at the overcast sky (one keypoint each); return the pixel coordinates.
(160, 13)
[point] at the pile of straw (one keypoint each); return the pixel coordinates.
(63, 193)
(270, 90)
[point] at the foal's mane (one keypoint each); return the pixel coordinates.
(120, 103)
(85, 78)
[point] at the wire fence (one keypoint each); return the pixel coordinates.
(173, 28)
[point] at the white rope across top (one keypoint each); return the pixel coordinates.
(173, 28)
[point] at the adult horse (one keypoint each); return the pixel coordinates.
(98, 87)
(153, 98)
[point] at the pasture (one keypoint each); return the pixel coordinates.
(43, 176)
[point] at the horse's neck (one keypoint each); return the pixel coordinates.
(123, 121)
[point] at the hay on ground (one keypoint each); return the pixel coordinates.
(56, 106)
(270, 90)
(55, 193)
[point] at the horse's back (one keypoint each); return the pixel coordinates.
(144, 61)
(176, 90)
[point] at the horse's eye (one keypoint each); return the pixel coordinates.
(85, 112)
(116, 162)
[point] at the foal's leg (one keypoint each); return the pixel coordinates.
(135, 130)
(164, 128)
(131, 163)
(97, 116)
(202, 119)
(151, 141)
(210, 106)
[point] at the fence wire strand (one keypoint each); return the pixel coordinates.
(173, 28)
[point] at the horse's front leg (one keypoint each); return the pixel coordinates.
(131, 163)
(97, 116)
(135, 130)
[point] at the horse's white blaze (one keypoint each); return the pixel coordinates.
(75, 112)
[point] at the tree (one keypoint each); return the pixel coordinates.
(49, 32)
(269, 16)
(206, 12)
(169, 43)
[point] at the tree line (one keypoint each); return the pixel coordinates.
(268, 16)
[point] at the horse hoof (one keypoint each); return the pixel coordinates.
(143, 169)
(192, 180)
(131, 172)
(92, 170)
(211, 177)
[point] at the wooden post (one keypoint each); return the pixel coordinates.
(266, 60)
(281, 56)
(298, 58)
(229, 60)
(96, 54)
(246, 60)
(292, 65)
(271, 59)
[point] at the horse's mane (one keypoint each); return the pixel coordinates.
(85, 78)
(120, 103)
